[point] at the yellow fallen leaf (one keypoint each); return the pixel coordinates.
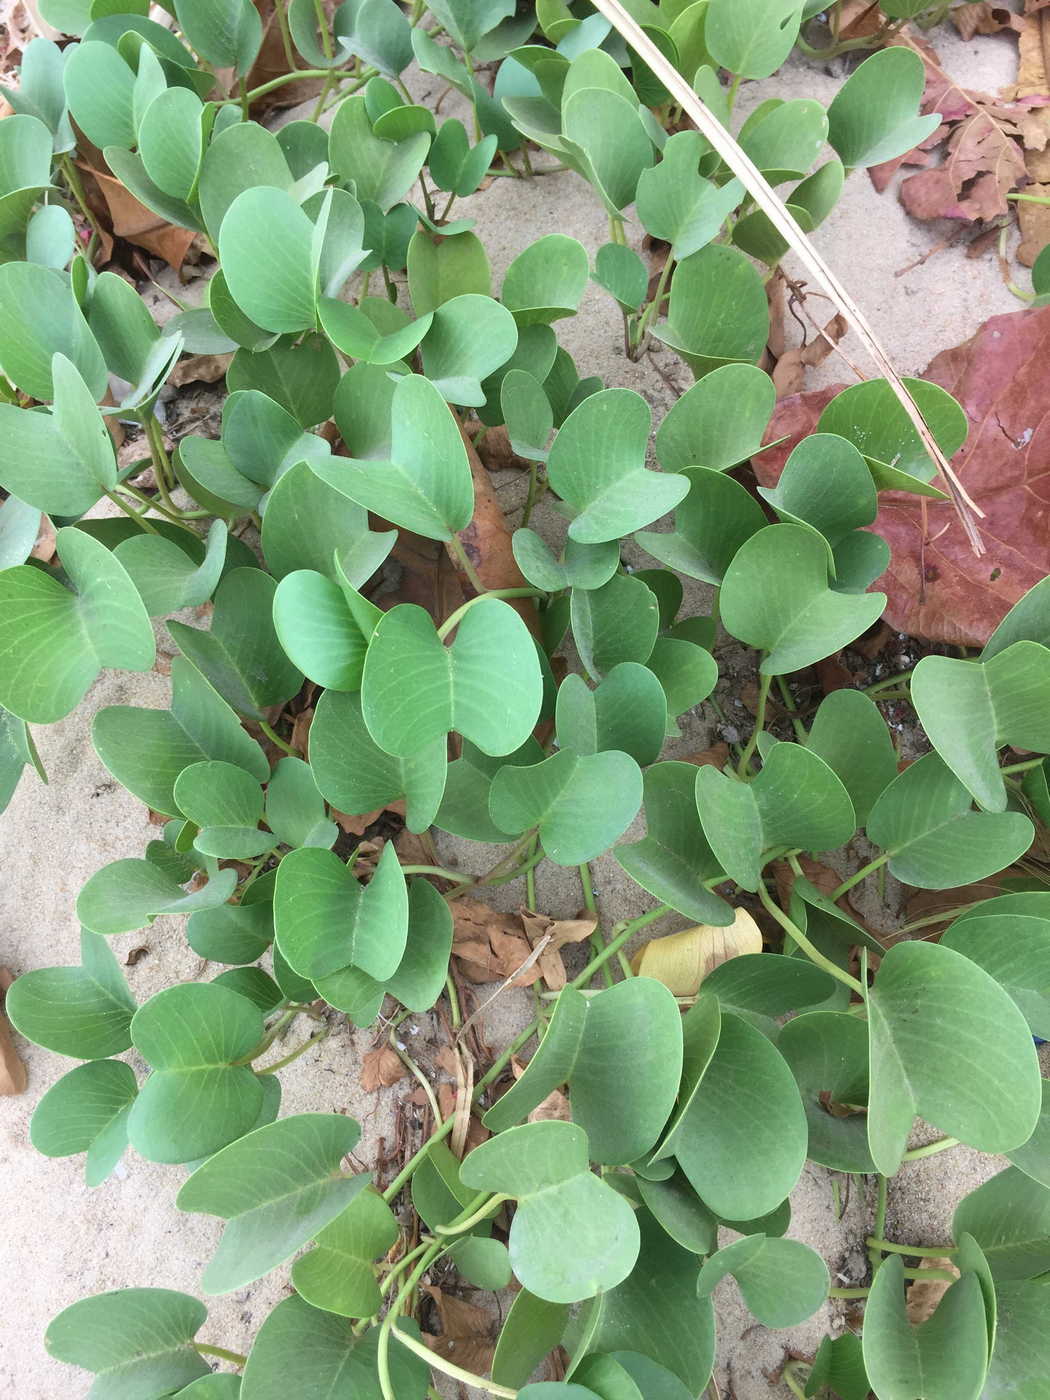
(681, 961)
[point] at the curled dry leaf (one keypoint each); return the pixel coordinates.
(558, 933)
(681, 961)
(380, 1068)
(936, 587)
(924, 1295)
(477, 1133)
(468, 1333)
(984, 18)
(489, 945)
(199, 369)
(789, 376)
(137, 224)
(554, 1107)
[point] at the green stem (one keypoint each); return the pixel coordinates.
(326, 33)
(932, 1275)
(206, 1350)
(386, 1385)
(402, 1264)
(442, 874)
(811, 951)
(176, 516)
(597, 941)
(256, 872)
(653, 309)
(289, 1059)
(286, 34)
(794, 1380)
(930, 1150)
(881, 1201)
(530, 877)
(133, 514)
(915, 1251)
(161, 461)
(801, 733)
(760, 721)
(454, 619)
(734, 88)
(284, 78)
(1022, 767)
(460, 1226)
(275, 738)
(446, 1368)
(242, 88)
(76, 189)
(861, 874)
(1029, 198)
(887, 681)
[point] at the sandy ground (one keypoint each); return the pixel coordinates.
(62, 1241)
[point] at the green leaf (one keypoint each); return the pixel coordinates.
(16, 750)
(87, 1111)
(241, 656)
(234, 933)
(546, 281)
(19, 528)
(615, 623)
(782, 1281)
(784, 138)
(469, 339)
(533, 1328)
(82, 1011)
(626, 711)
(1033, 1157)
(977, 1035)
(740, 1133)
(167, 576)
(827, 1052)
(608, 139)
(420, 976)
(217, 1386)
(263, 440)
(295, 809)
(467, 20)
(357, 330)
(326, 919)
(55, 641)
(871, 417)
(99, 89)
(546, 1167)
(581, 565)
(875, 113)
(464, 809)
(380, 171)
(136, 1341)
(970, 709)
(324, 629)
(849, 733)
(679, 1210)
(357, 776)
(60, 462)
(656, 1313)
(302, 376)
(226, 803)
(146, 750)
(620, 1054)
(196, 1100)
(1013, 949)
(338, 1275)
(308, 524)
(1009, 1217)
(944, 1358)
(839, 1363)
(717, 313)
(427, 485)
(796, 800)
(924, 819)
(378, 32)
(40, 318)
(227, 33)
(440, 269)
(674, 858)
(581, 804)
(273, 281)
(171, 141)
(675, 203)
(1027, 621)
(751, 38)
(825, 483)
(128, 894)
(622, 273)
(597, 465)
(487, 685)
(775, 596)
(277, 1188)
(326, 1358)
(717, 517)
(1022, 1355)
(688, 674)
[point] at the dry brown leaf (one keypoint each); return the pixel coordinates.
(717, 756)
(271, 62)
(924, 904)
(789, 376)
(984, 18)
(139, 225)
(380, 1068)
(468, 1333)
(681, 961)
(199, 369)
(924, 1294)
(13, 1077)
(489, 945)
(44, 549)
(822, 877)
(411, 848)
(355, 825)
(301, 730)
(936, 588)
(496, 453)
(1034, 222)
(558, 933)
(554, 1107)
(477, 1133)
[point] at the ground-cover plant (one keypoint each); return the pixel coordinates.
(694, 1104)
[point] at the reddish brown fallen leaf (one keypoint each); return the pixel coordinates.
(271, 62)
(496, 452)
(44, 549)
(468, 1333)
(1034, 223)
(199, 369)
(139, 225)
(832, 674)
(924, 904)
(936, 587)
(13, 1076)
(301, 730)
(789, 376)
(427, 579)
(380, 1068)
(717, 755)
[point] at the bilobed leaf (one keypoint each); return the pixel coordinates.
(308, 524)
(337, 1274)
(870, 416)
(615, 623)
(1033, 1157)
(850, 735)
(225, 32)
(944, 1358)
(357, 776)
(486, 685)
(718, 422)
(775, 595)
(226, 803)
(925, 819)
(295, 809)
(469, 339)
(127, 894)
(277, 1188)
(796, 800)
(626, 711)
(717, 313)
(622, 273)
(874, 116)
(782, 1281)
(240, 655)
(467, 20)
(380, 171)
(167, 576)
(620, 1054)
(40, 318)
(441, 268)
(273, 280)
(197, 1099)
(136, 1341)
(171, 141)
(675, 858)
(1022, 1354)
(828, 1055)
(99, 88)
(715, 519)
(975, 1031)
(532, 1329)
(546, 1167)
(606, 136)
(581, 804)
(675, 203)
(146, 750)
(87, 1111)
(464, 809)
(546, 281)
(82, 1011)
(581, 565)
(970, 709)
(324, 628)
(750, 37)
(1009, 1217)
(597, 465)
